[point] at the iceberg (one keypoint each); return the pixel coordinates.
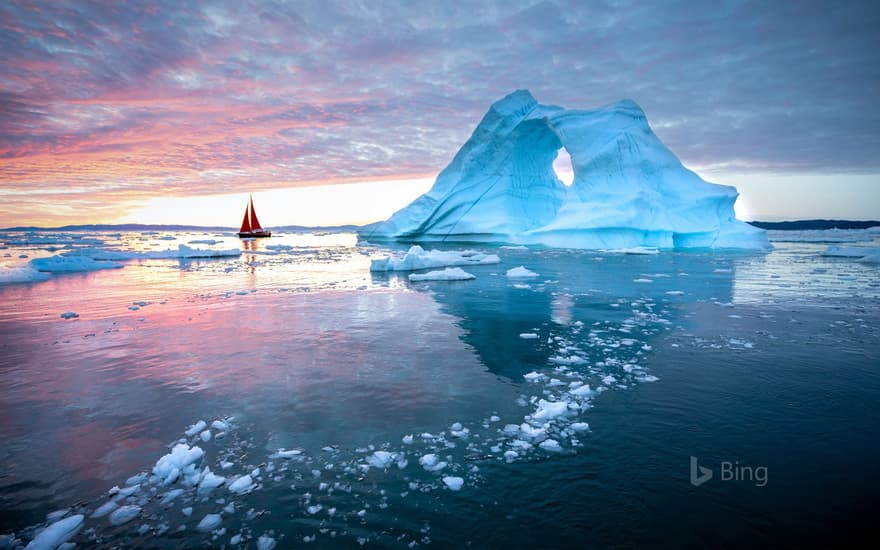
(629, 190)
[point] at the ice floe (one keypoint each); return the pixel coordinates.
(521, 272)
(57, 533)
(448, 274)
(9, 275)
(418, 258)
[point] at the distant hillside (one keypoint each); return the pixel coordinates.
(816, 224)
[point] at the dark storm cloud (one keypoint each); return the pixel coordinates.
(297, 91)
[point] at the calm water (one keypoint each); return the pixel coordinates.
(753, 363)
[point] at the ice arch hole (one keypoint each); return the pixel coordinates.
(562, 167)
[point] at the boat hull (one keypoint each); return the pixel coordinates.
(254, 234)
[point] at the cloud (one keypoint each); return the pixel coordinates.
(166, 95)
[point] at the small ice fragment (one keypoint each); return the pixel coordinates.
(170, 495)
(229, 508)
(448, 274)
(235, 539)
(510, 456)
(210, 480)
(69, 315)
(220, 425)
(265, 542)
(104, 509)
(286, 454)
(242, 485)
(314, 509)
(453, 482)
(196, 428)
(124, 514)
(529, 336)
(549, 409)
(138, 479)
(407, 439)
(582, 391)
(57, 533)
(205, 435)
(580, 427)
(380, 459)
(187, 511)
(520, 272)
(643, 281)
(495, 418)
(209, 523)
(550, 445)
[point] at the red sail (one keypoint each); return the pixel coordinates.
(255, 223)
(246, 222)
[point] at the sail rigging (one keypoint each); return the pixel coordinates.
(250, 225)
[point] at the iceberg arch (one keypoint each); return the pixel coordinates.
(629, 189)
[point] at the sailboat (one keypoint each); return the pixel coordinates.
(250, 225)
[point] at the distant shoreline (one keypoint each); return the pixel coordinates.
(793, 225)
(156, 227)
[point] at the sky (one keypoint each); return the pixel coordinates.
(342, 112)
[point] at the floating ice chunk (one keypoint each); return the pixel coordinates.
(580, 426)
(220, 425)
(608, 380)
(210, 480)
(203, 241)
(205, 435)
(550, 445)
(105, 509)
(265, 542)
(534, 376)
(431, 463)
(181, 460)
(286, 454)
(229, 508)
(520, 272)
(57, 533)
(419, 258)
(448, 274)
(170, 496)
(235, 540)
(71, 264)
(643, 280)
(314, 509)
(209, 523)
(549, 409)
(453, 482)
(136, 479)
(69, 315)
(381, 459)
(242, 485)
(407, 439)
(510, 456)
(647, 378)
(529, 336)
(196, 428)
(9, 275)
(186, 511)
(124, 514)
(570, 360)
(582, 391)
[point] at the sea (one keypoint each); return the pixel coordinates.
(186, 389)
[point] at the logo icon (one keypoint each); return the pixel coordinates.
(705, 474)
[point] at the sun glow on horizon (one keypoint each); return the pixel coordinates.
(324, 205)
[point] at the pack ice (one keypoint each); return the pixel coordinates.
(629, 190)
